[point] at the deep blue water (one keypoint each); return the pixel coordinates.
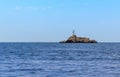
(59, 60)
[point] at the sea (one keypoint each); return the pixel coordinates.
(59, 59)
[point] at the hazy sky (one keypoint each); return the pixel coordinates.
(54, 20)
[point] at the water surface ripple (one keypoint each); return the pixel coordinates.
(59, 60)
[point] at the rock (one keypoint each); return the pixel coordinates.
(75, 39)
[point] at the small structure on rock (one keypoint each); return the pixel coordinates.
(75, 39)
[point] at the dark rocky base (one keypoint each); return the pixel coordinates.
(75, 42)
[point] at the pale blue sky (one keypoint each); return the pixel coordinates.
(54, 20)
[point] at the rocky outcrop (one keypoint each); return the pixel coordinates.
(75, 39)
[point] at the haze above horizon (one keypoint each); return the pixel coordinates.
(54, 20)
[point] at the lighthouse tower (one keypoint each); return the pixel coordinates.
(73, 32)
(74, 36)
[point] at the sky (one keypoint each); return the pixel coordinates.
(54, 20)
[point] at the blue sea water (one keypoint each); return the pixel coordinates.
(59, 60)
